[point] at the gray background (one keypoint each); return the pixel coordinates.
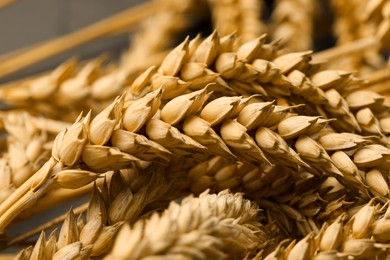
(28, 22)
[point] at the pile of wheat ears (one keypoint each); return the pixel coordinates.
(241, 143)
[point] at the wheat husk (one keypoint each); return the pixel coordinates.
(307, 143)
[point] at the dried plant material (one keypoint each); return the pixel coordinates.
(333, 235)
(278, 114)
(302, 86)
(71, 251)
(171, 86)
(104, 241)
(219, 110)
(69, 232)
(140, 146)
(272, 143)
(242, 17)
(102, 126)
(352, 177)
(141, 82)
(74, 179)
(141, 110)
(303, 249)
(371, 155)
(363, 98)
(207, 51)
(361, 248)
(173, 62)
(190, 104)
(363, 220)
(248, 74)
(347, 15)
(42, 87)
(120, 205)
(50, 247)
(254, 115)
(341, 141)
(171, 138)
(228, 65)
(377, 183)
(384, 124)
(104, 158)
(161, 29)
(313, 152)
(338, 107)
(69, 143)
(381, 228)
(294, 126)
(227, 43)
(225, 213)
(77, 88)
(96, 206)
(236, 137)
(25, 253)
(215, 113)
(109, 86)
(198, 74)
(250, 50)
(91, 230)
(288, 62)
(201, 131)
(330, 78)
(368, 122)
(39, 249)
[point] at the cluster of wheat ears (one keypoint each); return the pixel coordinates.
(240, 143)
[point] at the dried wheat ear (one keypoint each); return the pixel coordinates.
(225, 147)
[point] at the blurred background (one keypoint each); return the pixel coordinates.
(27, 22)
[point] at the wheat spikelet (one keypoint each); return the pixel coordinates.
(110, 207)
(209, 221)
(29, 139)
(358, 236)
(306, 143)
(242, 76)
(72, 145)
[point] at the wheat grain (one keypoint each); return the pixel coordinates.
(113, 206)
(338, 239)
(235, 102)
(187, 224)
